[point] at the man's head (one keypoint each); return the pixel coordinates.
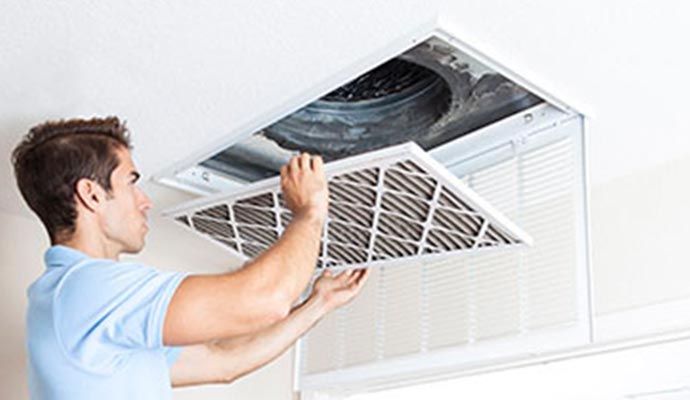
(78, 175)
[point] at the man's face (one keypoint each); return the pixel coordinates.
(124, 213)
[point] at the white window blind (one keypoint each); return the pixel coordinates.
(420, 320)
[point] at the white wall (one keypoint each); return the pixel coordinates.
(22, 241)
(641, 225)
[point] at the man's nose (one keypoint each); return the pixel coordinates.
(145, 202)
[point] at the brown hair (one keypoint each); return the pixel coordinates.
(54, 156)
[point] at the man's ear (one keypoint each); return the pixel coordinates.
(90, 194)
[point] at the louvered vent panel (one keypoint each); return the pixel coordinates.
(390, 205)
(475, 306)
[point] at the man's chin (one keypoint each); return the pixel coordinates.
(134, 248)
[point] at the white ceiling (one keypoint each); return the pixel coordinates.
(183, 74)
(187, 74)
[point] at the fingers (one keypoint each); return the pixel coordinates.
(360, 277)
(317, 164)
(342, 288)
(293, 165)
(304, 186)
(305, 161)
(363, 276)
(352, 278)
(354, 275)
(344, 277)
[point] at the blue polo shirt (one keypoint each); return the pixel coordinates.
(95, 329)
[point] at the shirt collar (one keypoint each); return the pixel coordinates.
(62, 256)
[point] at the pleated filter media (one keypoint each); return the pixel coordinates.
(385, 206)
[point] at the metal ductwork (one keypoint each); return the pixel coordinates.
(430, 94)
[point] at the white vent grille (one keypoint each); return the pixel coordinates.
(385, 206)
(477, 308)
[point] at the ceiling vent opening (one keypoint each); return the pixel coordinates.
(431, 94)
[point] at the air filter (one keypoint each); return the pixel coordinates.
(385, 206)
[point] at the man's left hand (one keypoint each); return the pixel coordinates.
(335, 291)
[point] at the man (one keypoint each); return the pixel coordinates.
(101, 328)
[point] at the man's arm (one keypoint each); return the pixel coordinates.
(209, 307)
(223, 361)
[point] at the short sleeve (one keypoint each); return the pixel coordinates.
(106, 310)
(172, 353)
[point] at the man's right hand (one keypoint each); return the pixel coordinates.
(304, 186)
